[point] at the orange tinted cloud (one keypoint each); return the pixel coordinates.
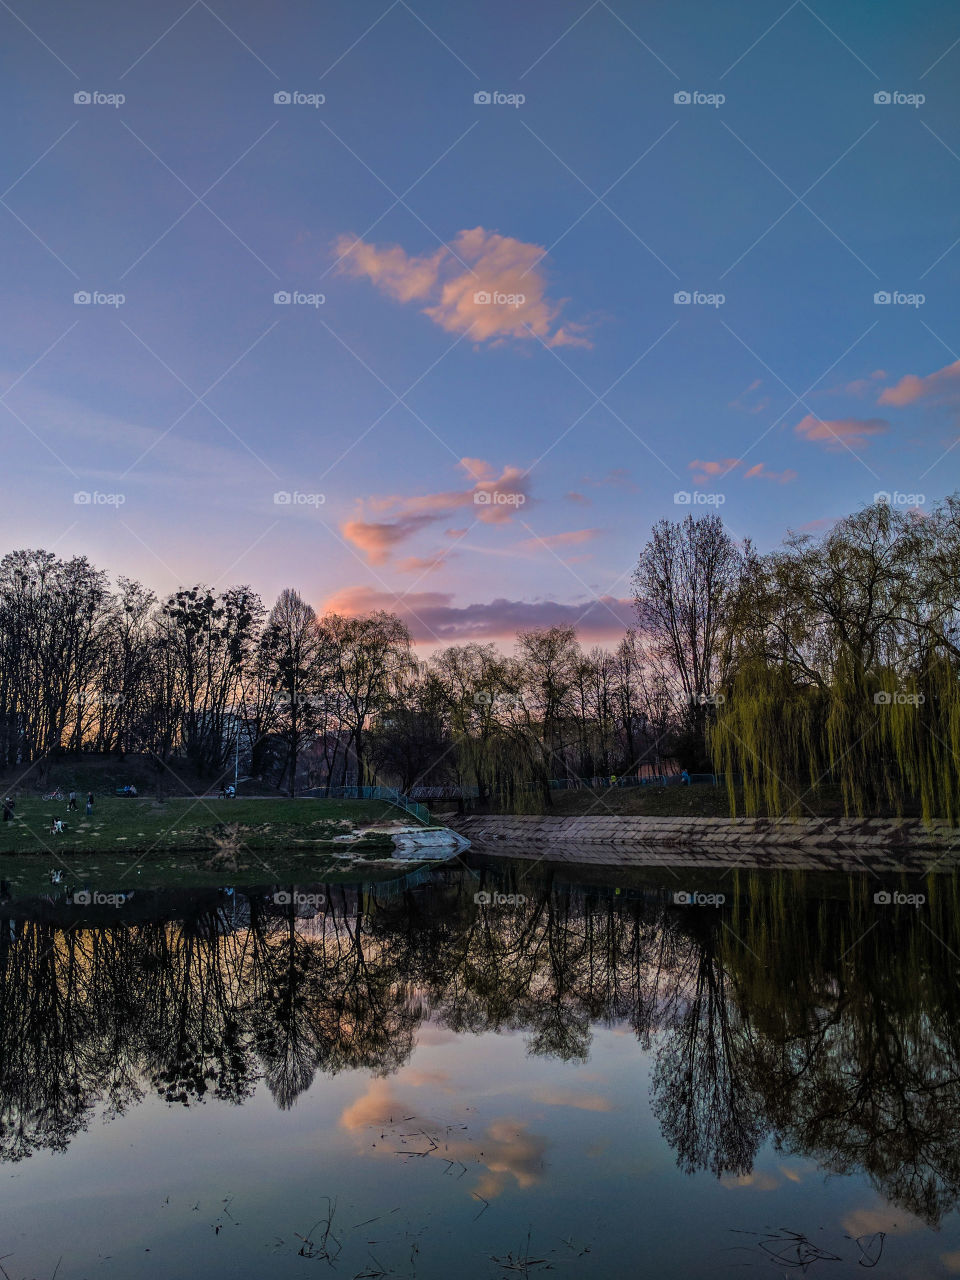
(491, 285)
(704, 469)
(432, 617)
(573, 1098)
(837, 432)
(494, 499)
(760, 472)
(911, 388)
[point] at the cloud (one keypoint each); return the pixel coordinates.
(705, 470)
(572, 538)
(376, 541)
(494, 499)
(944, 382)
(760, 472)
(433, 617)
(423, 564)
(379, 1105)
(860, 386)
(755, 405)
(580, 498)
(491, 285)
(837, 432)
(866, 1222)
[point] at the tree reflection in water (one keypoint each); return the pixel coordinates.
(823, 1020)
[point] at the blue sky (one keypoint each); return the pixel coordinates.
(482, 466)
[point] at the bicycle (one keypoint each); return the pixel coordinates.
(54, 795)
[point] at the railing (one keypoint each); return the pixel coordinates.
(388, 794)
(472, 792)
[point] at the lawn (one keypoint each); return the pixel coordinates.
(151, 827)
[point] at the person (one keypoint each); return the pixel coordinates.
(133, 789)
(7, 809)
(72, 802)
(685, 778)
(89, 804)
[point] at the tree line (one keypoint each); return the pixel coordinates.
(832, 659)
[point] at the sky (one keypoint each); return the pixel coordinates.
(439, 308)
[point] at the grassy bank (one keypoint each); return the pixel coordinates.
(146, 826)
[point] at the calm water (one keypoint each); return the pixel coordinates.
(404, 1082)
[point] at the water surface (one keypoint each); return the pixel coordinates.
(579, 1074)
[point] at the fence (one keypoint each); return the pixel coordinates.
(576, 784)
(389, 794)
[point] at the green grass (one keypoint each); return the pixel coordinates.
(146, 826)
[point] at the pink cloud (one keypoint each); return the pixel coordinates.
(836, 432)
(491, 285)
(433, 617)
(860, 386)
(494, 499)
(705, 470)
(580, 498)
(760, 472)
(910, 389)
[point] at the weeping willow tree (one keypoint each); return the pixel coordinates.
(847, 670)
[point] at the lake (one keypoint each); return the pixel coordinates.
(486, 1071)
